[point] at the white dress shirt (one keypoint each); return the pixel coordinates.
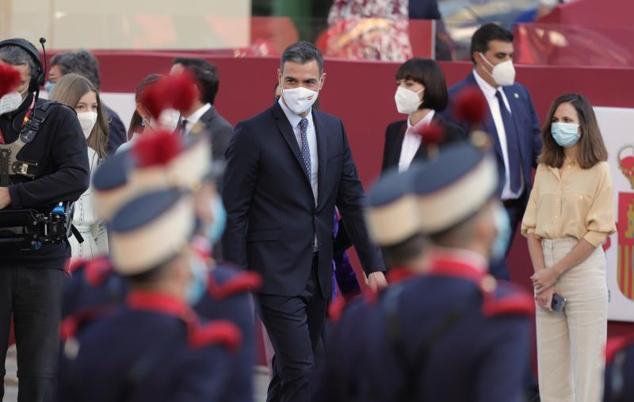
(490, 95)
(194, 117)
(411, 142)
(311, 135)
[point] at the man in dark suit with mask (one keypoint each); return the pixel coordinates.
(511, 120)
(287, 168)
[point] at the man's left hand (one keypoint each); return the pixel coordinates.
(5, 197)
(377, 281)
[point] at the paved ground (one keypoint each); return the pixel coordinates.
(11, 380)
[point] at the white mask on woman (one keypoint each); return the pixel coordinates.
(87, 120)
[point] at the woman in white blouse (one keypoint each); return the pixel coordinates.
(77, 92)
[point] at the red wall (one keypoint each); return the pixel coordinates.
(361, 93)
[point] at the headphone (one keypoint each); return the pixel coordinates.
(40, 78)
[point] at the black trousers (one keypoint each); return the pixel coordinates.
(33, 297)
(294, 325)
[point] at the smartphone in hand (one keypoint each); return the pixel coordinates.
(558, 303)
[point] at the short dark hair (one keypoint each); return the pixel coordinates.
(302, 52)
(16, 56)
(591, 146)
(400, 254)
(81, 62)
(485, 34)
(206, 75)
(428, 73)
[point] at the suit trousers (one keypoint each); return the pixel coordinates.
(33, 297)
(570, 344)
(294, 325)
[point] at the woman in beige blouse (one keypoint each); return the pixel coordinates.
(568, 218)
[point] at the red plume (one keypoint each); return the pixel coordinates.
(9, 78)
(176, 91)
(181, 90)
(153, 99)
(157, 148)
(470, 106)
(432, 133)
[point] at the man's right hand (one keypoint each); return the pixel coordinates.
(377, 281)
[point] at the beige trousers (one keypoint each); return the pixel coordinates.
(570, 345)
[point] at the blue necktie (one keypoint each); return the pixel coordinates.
(512, 144)
(303, 126)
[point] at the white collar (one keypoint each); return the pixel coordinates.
(488, 90)
(424, 121)
(194, 117)
(293, 118)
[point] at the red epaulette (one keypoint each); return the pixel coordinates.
(614, 346)
(516, 303)
(240, 283)
(216, 332)
(396, 275)
(97, 270)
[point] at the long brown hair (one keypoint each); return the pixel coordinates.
(69, 90)
(136, 122)
(591, 147)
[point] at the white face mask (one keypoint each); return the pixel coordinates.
(407, 101)
(299, 99)
(504, 73)
(169, 119)
(87, 121)
(10, 102)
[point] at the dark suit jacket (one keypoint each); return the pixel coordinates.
(272, 217)
(526, 124)
(221, 132)
(395, 133)
(116, 130)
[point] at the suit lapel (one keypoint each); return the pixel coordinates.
(322, 153)
(285, 129)
(398, 146)
(488, 124)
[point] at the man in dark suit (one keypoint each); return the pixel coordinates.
(511, 120)
(287, 168)
(85, 63)
(203, 110)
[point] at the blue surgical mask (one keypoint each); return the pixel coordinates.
(565, 134)
(503, 227)
(198, 285)
(48, 86)
(215, 230)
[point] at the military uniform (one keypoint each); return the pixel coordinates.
(450, 335)
(95, 291)
(444, 330)
(154, 348)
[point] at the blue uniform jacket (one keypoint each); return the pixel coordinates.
(447, 336)
(94, 292)
(153, 349)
